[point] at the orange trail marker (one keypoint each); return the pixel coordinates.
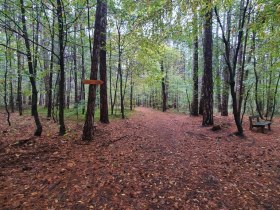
(92, 82)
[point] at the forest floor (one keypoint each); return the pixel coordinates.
(153, 160)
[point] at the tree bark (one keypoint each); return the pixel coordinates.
(194, 106)
(12, 104)
(32, 73)
(83, 97)
(131, 92)
(120, 70)
(6, 77)
(258, 104)
(233, 64)
(75, 67)
(88, 130)
(61, 64)
(218, 72)
(110, 78)
(50, 93)
(19, 83)
(207, 76)
(104, 117)
(225, 92)
(163, 88)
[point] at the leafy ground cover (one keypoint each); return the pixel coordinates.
(152, 160)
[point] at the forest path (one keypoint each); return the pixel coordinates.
(152, 160)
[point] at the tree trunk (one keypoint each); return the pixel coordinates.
(114, 99)
(207, 76)
(120, 70)
(19, 83)
(131, 92)
(225, 92)
(6, 79)
(163, 88)
(275, 97)
(75, 67)
(88, 131)
(83, 97)
(110, 78)
(50, 93)
(269, 101)
(104, 117)
(68, 88)
(32, 78)
(244, 74)
(46, 78)
(194, 106)
(218, 77)
(12, 104)
(120, 73)
(200, 110)
(61, 64)
(258, 104)
(232, 65)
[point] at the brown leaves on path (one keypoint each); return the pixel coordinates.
(152, 161)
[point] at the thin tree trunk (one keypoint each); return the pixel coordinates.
(75, 67)
(115, 94)
(275, 97)
(258, 105)
(35, 38)
(269, 101)
(243, 76)
(68, 88)
(32, 78)
(5, 78)
(47, 76)
(131, 92)
(194, 105)
(245, 103)
(61, 64)
(163, 88)
(83, 97)
(19, 83)
(50, 93)
(218, 77)
(200, 110)
(120, 70)
(110, 77)
(225, 92)
(12, 105)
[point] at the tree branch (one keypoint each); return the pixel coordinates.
(32, 41)
(6, 46)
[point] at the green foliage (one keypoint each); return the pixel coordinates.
(150, 32)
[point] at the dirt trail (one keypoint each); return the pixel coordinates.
(153, 160)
